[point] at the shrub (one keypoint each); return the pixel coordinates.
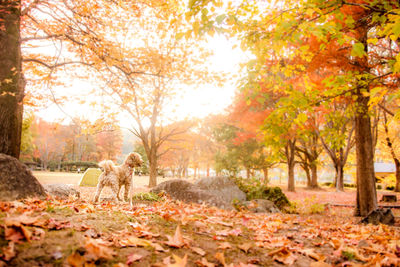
(327, 184)
(147, 196)
(389, 182)
(255, 189)
(306, 206)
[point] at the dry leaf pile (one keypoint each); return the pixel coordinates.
(170, 233)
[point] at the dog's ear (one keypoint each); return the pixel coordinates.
(137, 158)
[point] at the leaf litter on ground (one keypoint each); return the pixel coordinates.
(117, 234)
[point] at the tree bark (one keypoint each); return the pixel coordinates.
(12, 83)
(247, 173)
(339, 178)
(266, 178)
(290, 154)
(366, 199)
(314, 175)
(153, 169)
(308, 175)
(397, 187)
(395, 158)
(366, 191)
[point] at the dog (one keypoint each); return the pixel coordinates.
(118, 176)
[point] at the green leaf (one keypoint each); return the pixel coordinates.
(219, 19)
(358, 50)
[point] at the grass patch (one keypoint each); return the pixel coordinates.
(146, 196)
(255, 189)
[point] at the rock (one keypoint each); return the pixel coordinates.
(261, 206)
(188, 192)
(389, 198)
(222, 187)
(17, 181)
(381, 215)
(61, 190)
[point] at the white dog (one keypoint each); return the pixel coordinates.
(118, 176)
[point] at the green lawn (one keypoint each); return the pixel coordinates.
(57, 177)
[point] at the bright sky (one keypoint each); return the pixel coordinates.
(197, 102)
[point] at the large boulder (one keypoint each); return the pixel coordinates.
(222, 187)
(188, 192)
(17, 181)
(62, 191)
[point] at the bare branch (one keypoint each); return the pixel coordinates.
(55, 65)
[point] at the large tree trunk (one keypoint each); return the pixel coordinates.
(366, 200)
(366, 191)
(11, 79)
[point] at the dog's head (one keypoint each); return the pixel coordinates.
(133, 160)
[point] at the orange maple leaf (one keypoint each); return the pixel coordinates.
(177, 240)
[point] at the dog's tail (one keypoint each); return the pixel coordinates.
(107, 165)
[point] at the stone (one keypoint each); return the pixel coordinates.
(62, 191)
(222, 187)
(261, 206)
(380, 215)
(185, 191)
(389, 198)
(17, 181)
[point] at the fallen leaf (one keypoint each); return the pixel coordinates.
(38, 234)
(13, 234)
(224, 245)
(57, 255)
(76, 260)
(199, 251)
(287, 258)
(9, 251)
(158, 247)
(283, 255)
(96, 249)
(220, 257)
(204, 263)
(27, 234)
(320, 264)
(177, 240)
(53, 224)
(312, 254)
(133, 241)
(179, 262)
(275, 251)
(246, 246)
(132, 258)
(21, 219)
(120, 264)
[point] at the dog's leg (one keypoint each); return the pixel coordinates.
(100, 186)
(115, 189)
(127, 189)
(119, 189)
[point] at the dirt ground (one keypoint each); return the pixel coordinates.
(77, 232)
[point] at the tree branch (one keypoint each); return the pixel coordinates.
(55, 65)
